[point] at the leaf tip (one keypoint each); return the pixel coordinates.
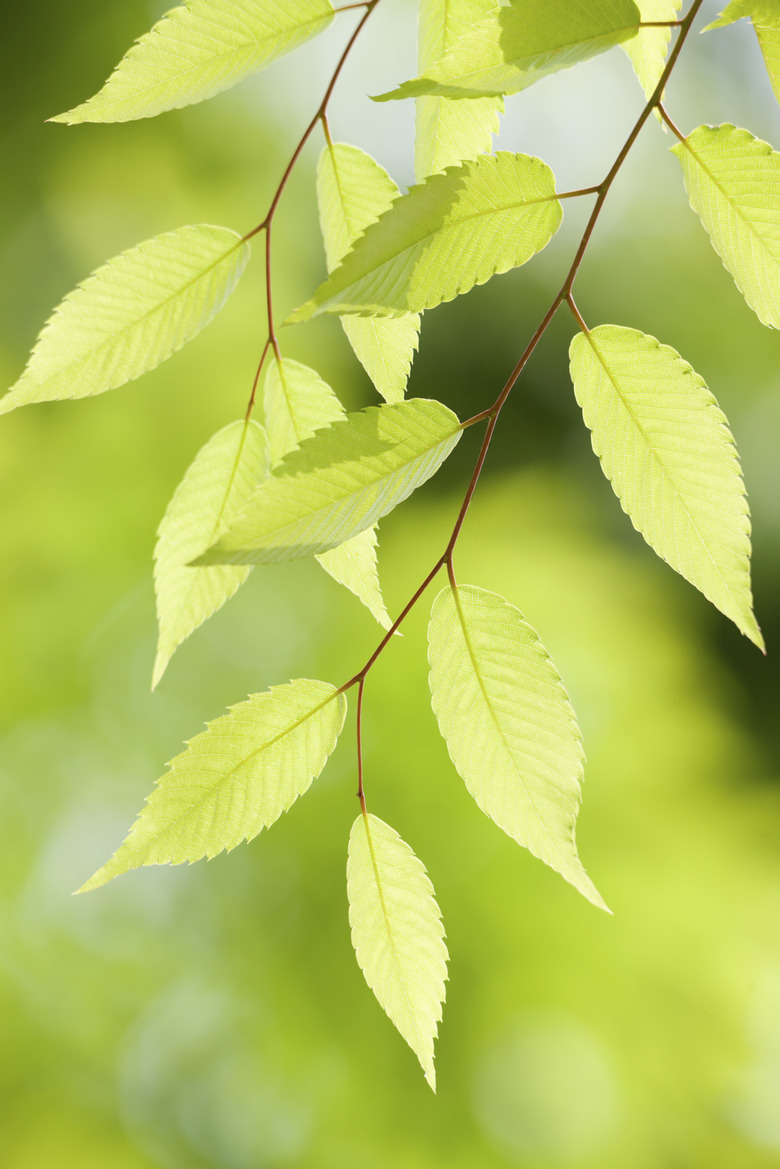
(301, 314)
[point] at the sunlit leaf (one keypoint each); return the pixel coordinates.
(131, 314)
(765, 15)
(235, 778)
(197, 50)
(667, 451)
(647, 50)
(733, 182)
(397, 933)
(451, 232)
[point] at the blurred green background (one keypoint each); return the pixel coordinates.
(213, 1016)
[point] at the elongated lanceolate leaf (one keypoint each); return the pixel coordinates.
(765, 15)
(733, 182)
(518, 45)
(397, 933)
(647, 50)
(340, 482)
(197, 50)
(353, 190)
(447, 133)
(453, 231)
(235, 778)
(297, 403)
(667, 451)
(223, 476)
(131, 314)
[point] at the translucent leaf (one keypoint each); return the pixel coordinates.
(765, 15)
(733, 182)
(517, 46)
(235, 778)
(451, 232)
(446, 133)
(131, 314)
(397, 933)
(647, 50)
(666, 449)
(297, 403)
(353, 190)
(224, 474)
(508, 724)
(197, 50)
(340, 482)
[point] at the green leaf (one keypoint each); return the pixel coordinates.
(224, 474)
(197, 50)
(508, 724)
(517, 46)
(445, 133)
(733, 183)
(353, 191)
(667, 451)
(765, 15)
(451, 232)
(235, 778)
(131, 314)
(340, 482)
(397, 933)
(647, 50)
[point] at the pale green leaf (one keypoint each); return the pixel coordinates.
(353, 190)
(647, 50)
(397, 933)
(197, 50)
(235, 778)
(220, 480)
(447, 133)
(353, 564)
(733, 182)
(508, 724)
(765, 15)
(131, 314)
(667, 451)
(340, 482)
(516, 46)
(453, 231)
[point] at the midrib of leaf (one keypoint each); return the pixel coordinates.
(298, 431)
(340, 190)
(730, 201)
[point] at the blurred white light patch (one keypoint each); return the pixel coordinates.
(755, 1105)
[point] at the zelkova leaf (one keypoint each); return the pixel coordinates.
(235, 778)
(733, 183)
(453, 231)
(508, 724)
(297, 403)
(340, 482)
(765, 15)
(197, 50)
(446, 133)
(223, 476)
(647, 50)
(397, 933)
(516, 46)
(352, 191)
(131, 314)
(666, 449)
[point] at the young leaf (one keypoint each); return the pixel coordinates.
(733, 183)
(765, 15)
(353, 190)
(666, 449)
(131, 314)
(224, 474)
(197, 50)
(516, 46)
(647, 50)
(235, 778)
(508, 724)
(340, 482)
(453, 231)
(445, 133)
(397, 933)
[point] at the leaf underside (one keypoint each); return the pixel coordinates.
(647, 50)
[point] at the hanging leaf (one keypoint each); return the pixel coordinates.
(340, 482)
(733, 183)
(197, 50)
(397, 933)
(765, 15)
(235, 778)
(451, 232)
(647, 50)
(667, 451)
(131, 314)
(223, 476)
(508, 724)
(353, 191)
(515, 46)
